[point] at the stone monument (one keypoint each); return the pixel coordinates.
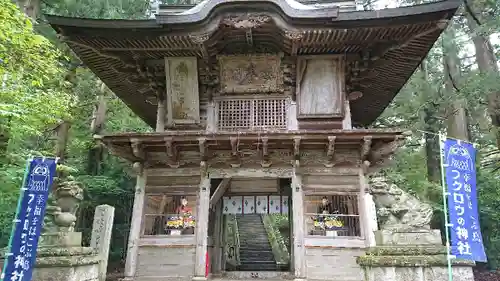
(101, 236)
(407, 249)
(60, 255)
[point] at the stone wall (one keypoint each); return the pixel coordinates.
(165, 262)
(325, 263)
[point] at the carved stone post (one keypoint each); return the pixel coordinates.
(202, 224)
(135, 225)
(299, 251)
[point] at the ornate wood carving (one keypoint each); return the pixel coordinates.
(246, 21)
(295, 37)
(202, 145)
(366, 147)
(330, 152)
(296, 152)
(183, 100)
(137, 150)
(235, 153)
(250, 73)
(199, 40)
(172, 153)
(320, 83)
(265, 162)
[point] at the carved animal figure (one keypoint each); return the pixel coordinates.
(397, 210)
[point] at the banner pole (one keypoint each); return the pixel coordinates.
(445, 207)
(14, 221)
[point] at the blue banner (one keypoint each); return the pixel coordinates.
(460, 171)
(37, 183)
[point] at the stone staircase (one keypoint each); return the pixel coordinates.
(255, 250)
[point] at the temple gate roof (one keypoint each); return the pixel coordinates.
(383, 47)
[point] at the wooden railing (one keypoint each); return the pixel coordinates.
(232, 243)
(280, 250)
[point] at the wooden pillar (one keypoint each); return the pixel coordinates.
(292, 123)
(366, 205)
(202, 224)
(217, 261)
(161, 115)
(346, 122)
(135, 225)
(299, 251)
(211, 117)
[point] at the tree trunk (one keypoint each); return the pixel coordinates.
(95, 157)
(431, 124)
(487, 64)
(457, 120)
(62, 136)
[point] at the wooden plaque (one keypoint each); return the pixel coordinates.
(183, 100)
(320, 83)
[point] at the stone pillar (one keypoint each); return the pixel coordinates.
(299, 251)
(135, 225)
(202, 226)
(101, 236)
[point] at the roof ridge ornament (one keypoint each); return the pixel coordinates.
(246, 20)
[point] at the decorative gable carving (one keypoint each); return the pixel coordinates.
(251, 74)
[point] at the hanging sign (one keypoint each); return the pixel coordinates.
(20, 259)
(460, 171)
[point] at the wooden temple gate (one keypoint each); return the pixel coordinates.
(252, 90)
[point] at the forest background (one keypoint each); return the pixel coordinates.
(51, 104)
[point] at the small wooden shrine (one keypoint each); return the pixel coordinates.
(259, 107)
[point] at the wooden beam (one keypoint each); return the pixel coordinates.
(219, 191)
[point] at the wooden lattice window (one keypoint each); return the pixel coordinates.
(251, 114)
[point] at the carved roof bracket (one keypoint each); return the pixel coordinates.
(366, 147)
(202, 145)
(235, 152)
(137, 149)
(295, 37)
(172, 153)
(200, 40)
(249, 37)
(330, 152)
(385, 150)
(265, 161)
(296, 152)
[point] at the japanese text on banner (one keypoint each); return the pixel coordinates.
(460, 171)
(28, 223)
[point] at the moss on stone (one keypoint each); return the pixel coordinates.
(64, 251)
(409, 261)
(406, 251)
(67, 261)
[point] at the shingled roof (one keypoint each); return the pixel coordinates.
(387, 45)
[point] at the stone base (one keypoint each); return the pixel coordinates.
(412, 238)
(66, 264)
(417, 263)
